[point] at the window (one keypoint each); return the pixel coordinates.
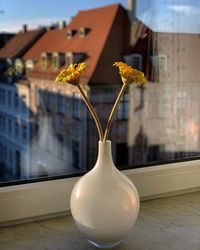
(3, 96)
(9, 98)
(83, 31)
(61, 146)
(75, 154)
(19, 67)
(69, 58)
(49, 105)
(45, 60)
(76, 106)
(70, 34)
(122, 110)
(10, 156)
(160, 62)
(16, 100)
(9, 126)
(29, 65)
(55, 61)
(38, 93)
(158, 124)
(134, 60)
(4, 123)
(16, 129)
(23, 100)
(74, 58)
(61, 104)
(24, 132)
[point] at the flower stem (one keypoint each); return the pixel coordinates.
(93, 113)
(113, 111)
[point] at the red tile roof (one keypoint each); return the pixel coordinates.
(19, 44)
(108, 36)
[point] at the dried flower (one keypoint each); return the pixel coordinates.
(130, 75)
(71, 74)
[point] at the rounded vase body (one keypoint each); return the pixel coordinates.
(104, 202)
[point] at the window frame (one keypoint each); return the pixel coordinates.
(33, 201)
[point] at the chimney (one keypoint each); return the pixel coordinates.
(131, 10)
(62, 24)
(24, 28)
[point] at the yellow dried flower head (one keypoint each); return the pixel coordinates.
(71, 74)
(130, 75)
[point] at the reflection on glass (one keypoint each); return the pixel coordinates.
(45, 129)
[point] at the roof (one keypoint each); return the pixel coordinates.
(104, 43)
(19, 44)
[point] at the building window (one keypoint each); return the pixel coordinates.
(16, 100)
(83, 32)
(10, 157)
(29, 65)
(162, 63)
(58, 59)
(24, 132)
(70, 33)
(3, 96)
(24, 105)
(159, 63)
(0, 96)
(71, 58)
(39, 97)
(45, 60)
(61, 146)
(19, 66)
(55, 61)
(75, 154)
(123, 108)
(68, 59)
(4, 123)
(61, 105)
(49, 103)
(17, 129)
(76, 106)
(134, 60)
(10, 126)
(9, 98)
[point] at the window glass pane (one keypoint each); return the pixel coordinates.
(45, 127)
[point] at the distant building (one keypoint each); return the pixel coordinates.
(15, 113)
(98, 37)
(5, 37)
(164, 119)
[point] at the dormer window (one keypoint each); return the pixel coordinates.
(29, 65)
(58, 59)
(72, 57)
(55, 61)
(45, 60)
(19, 66)
(83, 31)
(70, 33)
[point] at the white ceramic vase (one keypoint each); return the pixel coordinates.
(104, 202)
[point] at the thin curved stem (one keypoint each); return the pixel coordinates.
(113, 111)
(93, 113)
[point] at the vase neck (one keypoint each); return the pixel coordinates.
(105, 153)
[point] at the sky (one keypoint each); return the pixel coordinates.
(181, 16)
(43, 12)
(160, 15)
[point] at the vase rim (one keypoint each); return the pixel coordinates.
(105, 142)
